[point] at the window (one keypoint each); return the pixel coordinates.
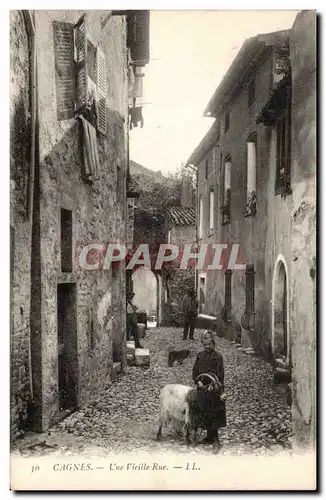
(206, 169)
(283, 158)
(251, 175)
(251, 93)
(227, 122)
(202, 292)
(201, 217)
(227, 296)
(226, 208)
(66, 241)
(248, 317)
(169, 236)
(211, 209)
(80, 71)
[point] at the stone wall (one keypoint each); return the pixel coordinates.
(98, 216)
(303, 234)
(20, 225)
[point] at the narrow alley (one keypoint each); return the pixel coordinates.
(125, 417)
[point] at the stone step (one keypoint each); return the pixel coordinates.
(280, 363)
(130, 347)
(142, 357)
(116, 368)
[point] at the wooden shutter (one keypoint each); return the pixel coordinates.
(101, 91)
(288, 145)
(81, 58)
(63, 34)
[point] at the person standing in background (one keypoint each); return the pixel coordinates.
(132, 325)
(190, 312)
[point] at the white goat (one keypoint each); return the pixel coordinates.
(174, 409)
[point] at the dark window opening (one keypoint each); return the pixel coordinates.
(250, 288)
(91, 61)
(251, 93)
(226, 206)
(227, 122)
(283, 158)
(227, 296)
(201, 294)
(206, 169)
(66, 241)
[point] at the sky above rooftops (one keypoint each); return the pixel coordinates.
(190, 53)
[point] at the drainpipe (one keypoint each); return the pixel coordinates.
(31, 33)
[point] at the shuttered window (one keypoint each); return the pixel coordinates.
(101, 89)
(80, 74)
(283, 160)
(63, 37)
(250, 288)
(81, 67)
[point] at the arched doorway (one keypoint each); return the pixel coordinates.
(280, 309)
(145, 288)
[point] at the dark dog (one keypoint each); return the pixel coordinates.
(178, 356)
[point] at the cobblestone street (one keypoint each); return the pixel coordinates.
(125, 417)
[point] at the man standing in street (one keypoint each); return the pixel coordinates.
(190, 312)
(132, 325)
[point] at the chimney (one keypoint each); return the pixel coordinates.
(186, 192)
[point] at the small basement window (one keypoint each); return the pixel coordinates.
(66, 241)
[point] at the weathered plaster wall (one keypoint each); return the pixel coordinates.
(20, 226)
(261, 237)
(303, 235)
(98, 211)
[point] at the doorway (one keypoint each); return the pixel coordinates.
(280, 320)
(67, 347)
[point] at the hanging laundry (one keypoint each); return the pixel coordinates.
(136, 114)
(90, 150)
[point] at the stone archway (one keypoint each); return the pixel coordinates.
(280, 310)
(146, 289)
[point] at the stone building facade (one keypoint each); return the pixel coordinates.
(302, 280)
(22, 123)
(69, 334)
(256, 189)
